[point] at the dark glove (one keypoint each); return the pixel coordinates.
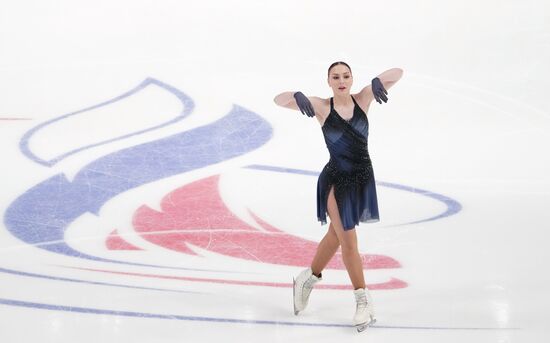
(379, 91)
(304, 104)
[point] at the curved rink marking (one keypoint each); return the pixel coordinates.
(453, 206)
(74, 309)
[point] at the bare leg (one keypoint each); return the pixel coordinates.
(348, 242)
(325, 250)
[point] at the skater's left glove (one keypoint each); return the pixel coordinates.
(379, 91)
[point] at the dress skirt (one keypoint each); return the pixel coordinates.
(356, 197)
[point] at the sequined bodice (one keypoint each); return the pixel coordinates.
(347, 142)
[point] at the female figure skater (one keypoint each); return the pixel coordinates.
(346, 187)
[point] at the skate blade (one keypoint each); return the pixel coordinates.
(363, 326)
(294, 296)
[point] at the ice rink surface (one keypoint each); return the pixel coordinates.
(153, 192)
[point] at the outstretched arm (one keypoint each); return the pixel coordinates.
(286, 99)
(387, 80)
(390, 77)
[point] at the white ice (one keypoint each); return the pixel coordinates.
(469, 120)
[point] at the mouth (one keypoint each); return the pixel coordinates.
(341, 88)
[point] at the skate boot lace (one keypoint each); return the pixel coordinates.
(362, 302)
(362, 305)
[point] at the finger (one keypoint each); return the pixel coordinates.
(305, 110)
(384, 97)
(311, 111)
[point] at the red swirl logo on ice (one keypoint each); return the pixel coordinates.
(195, 216)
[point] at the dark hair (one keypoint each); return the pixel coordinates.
(337, 63)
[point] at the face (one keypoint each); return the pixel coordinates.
(340, 79)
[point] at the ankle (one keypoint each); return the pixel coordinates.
(318, 275)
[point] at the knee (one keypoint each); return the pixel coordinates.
(333, 236)
(348, 247)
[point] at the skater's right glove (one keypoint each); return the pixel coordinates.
(304, 104)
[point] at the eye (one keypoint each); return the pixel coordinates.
(335, 77)
(346, 77)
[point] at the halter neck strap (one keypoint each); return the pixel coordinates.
(332, 102)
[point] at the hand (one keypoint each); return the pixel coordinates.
(379, 91)
(304, 104)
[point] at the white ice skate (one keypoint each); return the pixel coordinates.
(364, 312)
(303, 284)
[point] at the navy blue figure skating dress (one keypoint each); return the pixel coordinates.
(349, 169)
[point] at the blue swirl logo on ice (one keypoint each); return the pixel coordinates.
(41, 215)
(112, 120)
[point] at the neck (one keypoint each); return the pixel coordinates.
(342, 99)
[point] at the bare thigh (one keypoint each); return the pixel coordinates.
(347, 238)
